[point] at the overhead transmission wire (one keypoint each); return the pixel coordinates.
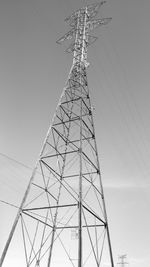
(11, 171)
(21, 164)
(6, 182)
(16, 161)
(123, 116)
(9, 204)
(13, 188)
(129, 95)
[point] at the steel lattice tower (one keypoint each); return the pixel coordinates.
(122, 259)
(63, 215)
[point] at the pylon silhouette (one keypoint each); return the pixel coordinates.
(122, 259)
(63, 214)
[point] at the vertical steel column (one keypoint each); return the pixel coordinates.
(80, 195)
(81, 63)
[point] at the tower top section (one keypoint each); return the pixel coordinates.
(82, 22)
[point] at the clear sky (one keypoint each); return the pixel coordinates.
(33, 71)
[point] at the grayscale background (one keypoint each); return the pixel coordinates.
(33, 71)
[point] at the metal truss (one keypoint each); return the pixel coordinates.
(63, 215)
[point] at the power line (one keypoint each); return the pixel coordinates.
(9, 204)
(16, 161)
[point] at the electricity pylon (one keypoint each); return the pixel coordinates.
(122, 259)
(63, 214)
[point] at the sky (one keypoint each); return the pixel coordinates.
(33, 72)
